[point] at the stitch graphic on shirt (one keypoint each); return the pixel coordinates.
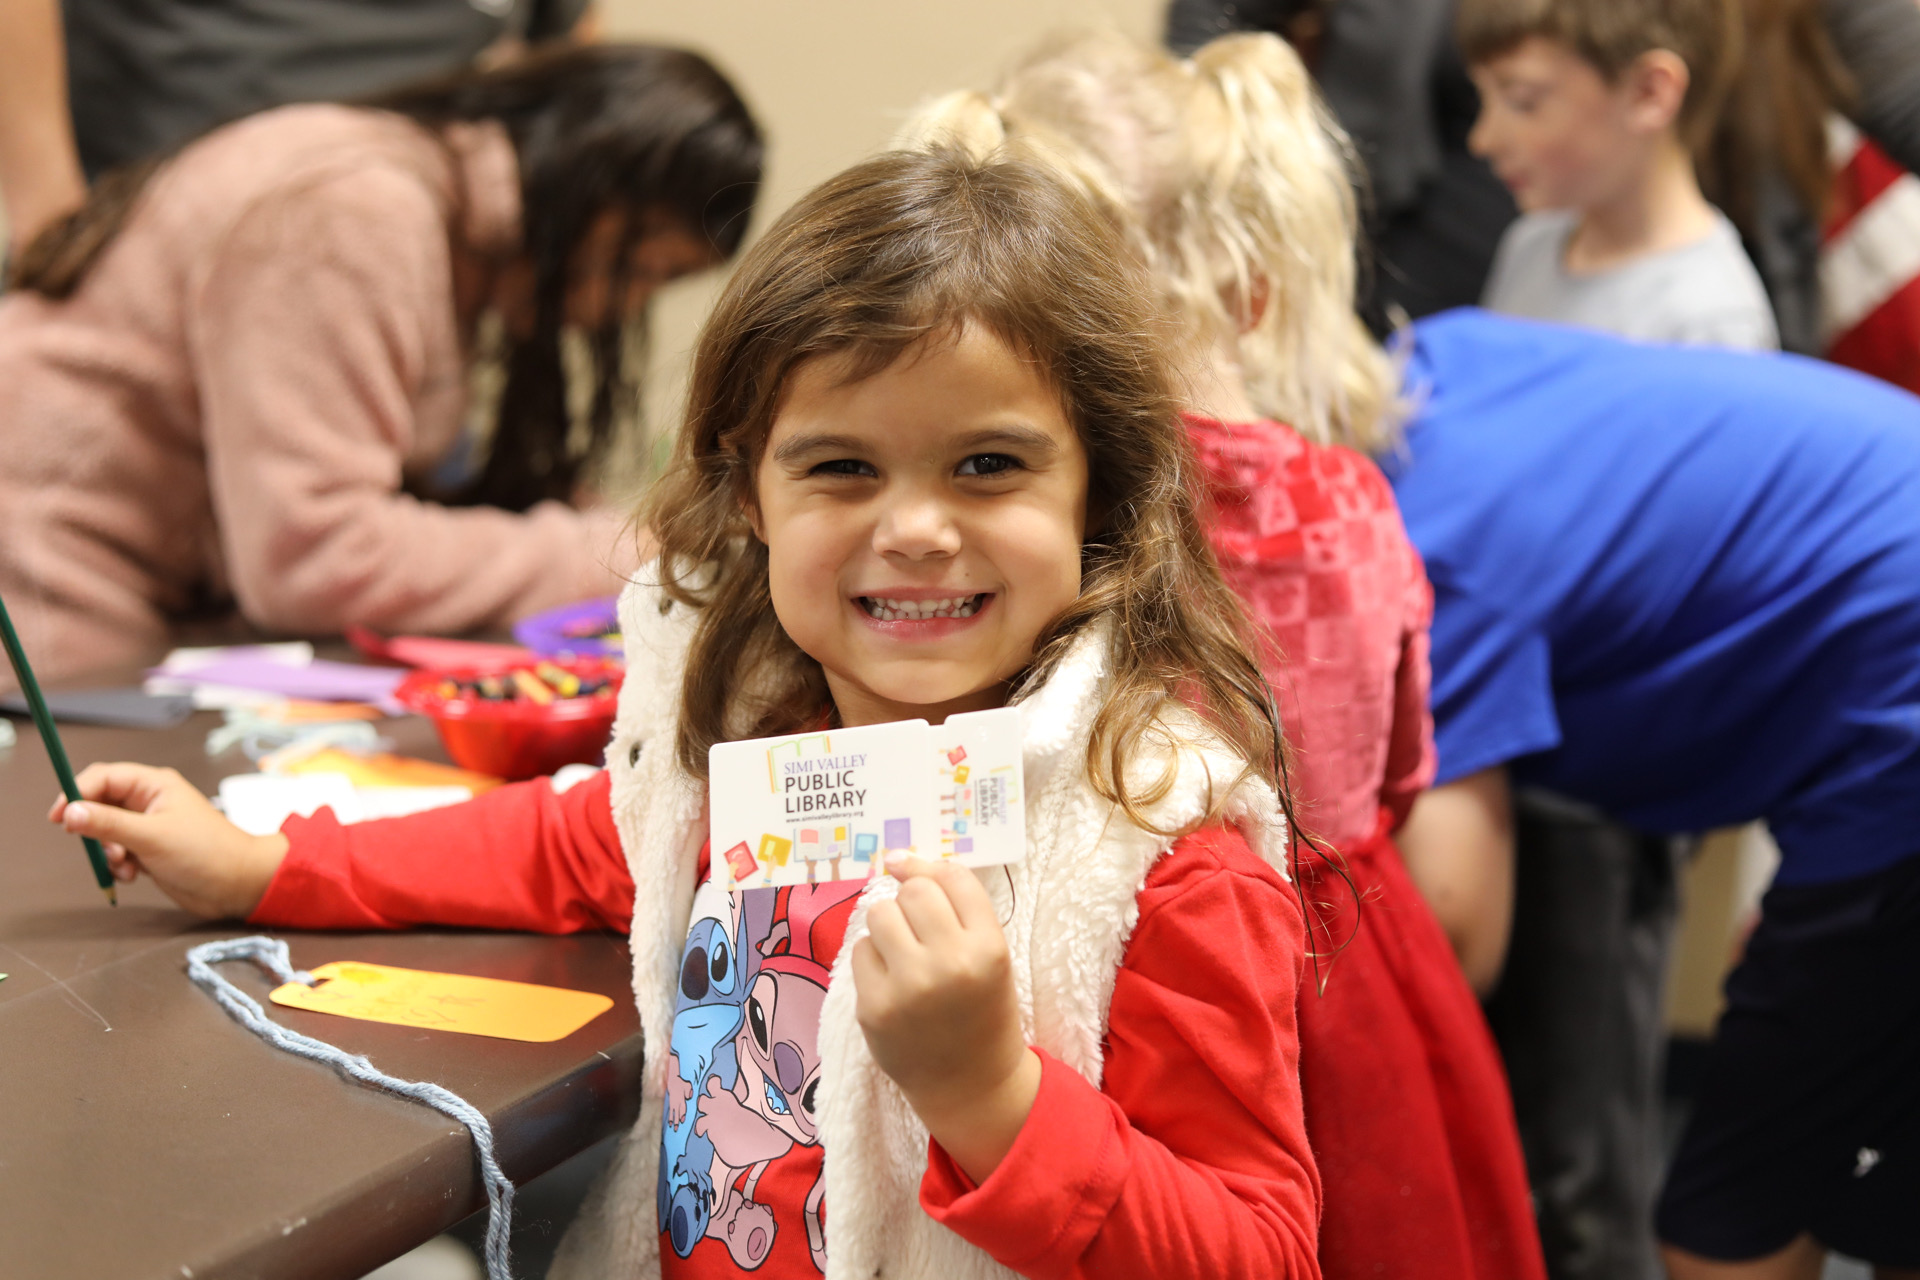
(742, 1088)
(717, 966)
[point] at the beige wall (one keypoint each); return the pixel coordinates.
(829, 81)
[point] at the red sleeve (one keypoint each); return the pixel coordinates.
(517, 857)
(1192, 1158)
(1410, 754)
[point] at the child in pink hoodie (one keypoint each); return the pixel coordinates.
(232, 378)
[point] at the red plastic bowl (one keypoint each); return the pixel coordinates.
(520, 738)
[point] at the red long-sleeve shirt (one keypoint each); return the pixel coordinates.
(1191, 1158)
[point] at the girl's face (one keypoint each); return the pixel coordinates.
(923, 525)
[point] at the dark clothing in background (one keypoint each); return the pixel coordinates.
(145, 76)
(1578, 1019)
(1878, 42)
(1391, 73)
(1807, 1119)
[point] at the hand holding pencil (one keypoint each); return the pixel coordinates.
(154, 820)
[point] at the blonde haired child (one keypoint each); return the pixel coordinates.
(933, 462)
(1236, 188)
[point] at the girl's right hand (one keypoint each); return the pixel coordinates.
(154, 820)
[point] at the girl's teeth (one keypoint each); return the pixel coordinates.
(888, 610)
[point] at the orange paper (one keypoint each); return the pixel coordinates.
(300, 711)
(445, 1001)
(384, 770)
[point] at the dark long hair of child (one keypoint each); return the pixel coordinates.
(636, 129)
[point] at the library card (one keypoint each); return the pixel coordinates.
(809, 808)
(445, 1001)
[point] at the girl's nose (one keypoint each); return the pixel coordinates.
(917, 527)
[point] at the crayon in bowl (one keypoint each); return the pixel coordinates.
(541, 684)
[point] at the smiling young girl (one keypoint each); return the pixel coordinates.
(933, 462)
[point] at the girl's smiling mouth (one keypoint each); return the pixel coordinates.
(921, 614)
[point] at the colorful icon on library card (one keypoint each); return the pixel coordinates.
(865, 845)
(773, 852)
(740, 862)
(898, 834)
(982, 822)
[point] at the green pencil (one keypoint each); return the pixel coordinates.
(48, 734)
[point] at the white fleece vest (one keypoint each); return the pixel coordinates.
(1070, 907)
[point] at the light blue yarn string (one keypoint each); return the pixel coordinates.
(272, 955)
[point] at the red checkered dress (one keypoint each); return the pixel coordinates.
(1407, 1104)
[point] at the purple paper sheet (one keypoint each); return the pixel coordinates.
(319, 681)
(548, 633)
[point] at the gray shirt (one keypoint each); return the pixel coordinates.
(1701, 294)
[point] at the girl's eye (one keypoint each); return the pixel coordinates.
(843, 467)
(988, 464)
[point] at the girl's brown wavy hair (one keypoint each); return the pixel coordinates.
(906, 249)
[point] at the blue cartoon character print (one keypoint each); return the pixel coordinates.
(716, 970)
(740, 1142)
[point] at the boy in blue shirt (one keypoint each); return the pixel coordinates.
(1683, 587)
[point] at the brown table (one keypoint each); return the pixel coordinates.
(143, 1133)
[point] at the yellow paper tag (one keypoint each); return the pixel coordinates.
(445, 1001)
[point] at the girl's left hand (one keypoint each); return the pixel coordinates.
(934, 995)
